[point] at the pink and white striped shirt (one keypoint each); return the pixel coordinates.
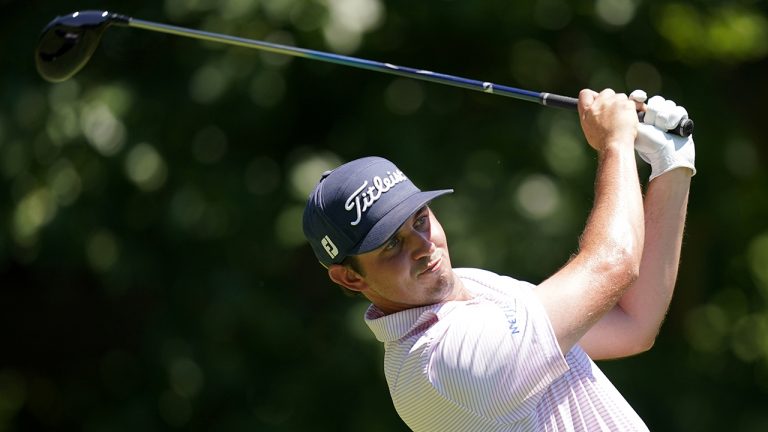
(493, 364)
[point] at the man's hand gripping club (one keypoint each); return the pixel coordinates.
(662, 150)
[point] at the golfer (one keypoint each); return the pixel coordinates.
(470, 350)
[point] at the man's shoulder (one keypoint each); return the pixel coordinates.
(474, 273)
(490, 279)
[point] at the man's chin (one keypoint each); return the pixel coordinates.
(445, 285)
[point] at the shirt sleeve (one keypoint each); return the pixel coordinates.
(496, 359)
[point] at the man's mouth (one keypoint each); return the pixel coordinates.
(434, 263)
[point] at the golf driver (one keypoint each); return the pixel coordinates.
(68, 42)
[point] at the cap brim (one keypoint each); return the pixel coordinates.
(391, 222)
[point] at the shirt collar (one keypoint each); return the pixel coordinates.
(392, 327)
(389, 328)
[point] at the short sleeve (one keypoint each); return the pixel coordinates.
(496, 360)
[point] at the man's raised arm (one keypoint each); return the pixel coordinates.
(632, 325)
(610, 248)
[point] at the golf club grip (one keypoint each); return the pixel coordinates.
(558, 101)
(684, 129)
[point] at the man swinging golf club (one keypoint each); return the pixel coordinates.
(470, 350)
(466, 349)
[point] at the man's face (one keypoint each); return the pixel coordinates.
(411, 269)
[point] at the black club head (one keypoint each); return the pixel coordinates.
(68, 42)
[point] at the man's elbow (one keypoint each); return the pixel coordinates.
(631, 269)
(627, 348)
(641, 340)
(645, 344)
(622, 266)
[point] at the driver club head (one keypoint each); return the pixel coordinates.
(68, 42)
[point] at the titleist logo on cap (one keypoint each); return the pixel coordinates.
(365, 196)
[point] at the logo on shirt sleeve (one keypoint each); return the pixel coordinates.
(510, 310)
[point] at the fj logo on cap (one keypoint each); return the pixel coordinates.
(329, 247)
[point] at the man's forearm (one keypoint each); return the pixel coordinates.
(616, 219)
(647, 300)
(582, 292)
(578, 295)
(632, 325)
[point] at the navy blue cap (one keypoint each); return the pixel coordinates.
(358, 206)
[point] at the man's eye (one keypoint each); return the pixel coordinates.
(392, 243)
(421, 221)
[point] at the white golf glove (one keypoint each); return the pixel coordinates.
(662, 150)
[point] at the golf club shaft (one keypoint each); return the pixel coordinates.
(685, 127)
(547, 99)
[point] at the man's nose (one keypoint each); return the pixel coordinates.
(422, 244)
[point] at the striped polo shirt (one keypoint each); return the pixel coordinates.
(492, 363)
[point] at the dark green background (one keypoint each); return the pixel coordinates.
(152, 270)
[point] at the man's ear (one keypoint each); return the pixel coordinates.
(346, 277)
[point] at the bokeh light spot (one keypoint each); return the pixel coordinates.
(564, 149)
(13, 393)
(105, 132)
(537, 196)
(187, 208)
(116, 97)
(615, 12)
(730, 32)
(750, 338)
(208, 83)
(357, 15)
(278, 10)
(741, 157)
(288, 227)
(233, 9)
(102, 250)
(340, 38)
(305, 174)
(64, 181)
(30, 108)
(62, 95)
(33, 212)
(706, 328)
(145, 167)
(348, 20)
(534, 64)
(404, 96)
(758, 261)
(63, 125)
(186, 377)
(308, 16)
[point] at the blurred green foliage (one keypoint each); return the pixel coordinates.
(153, 274)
